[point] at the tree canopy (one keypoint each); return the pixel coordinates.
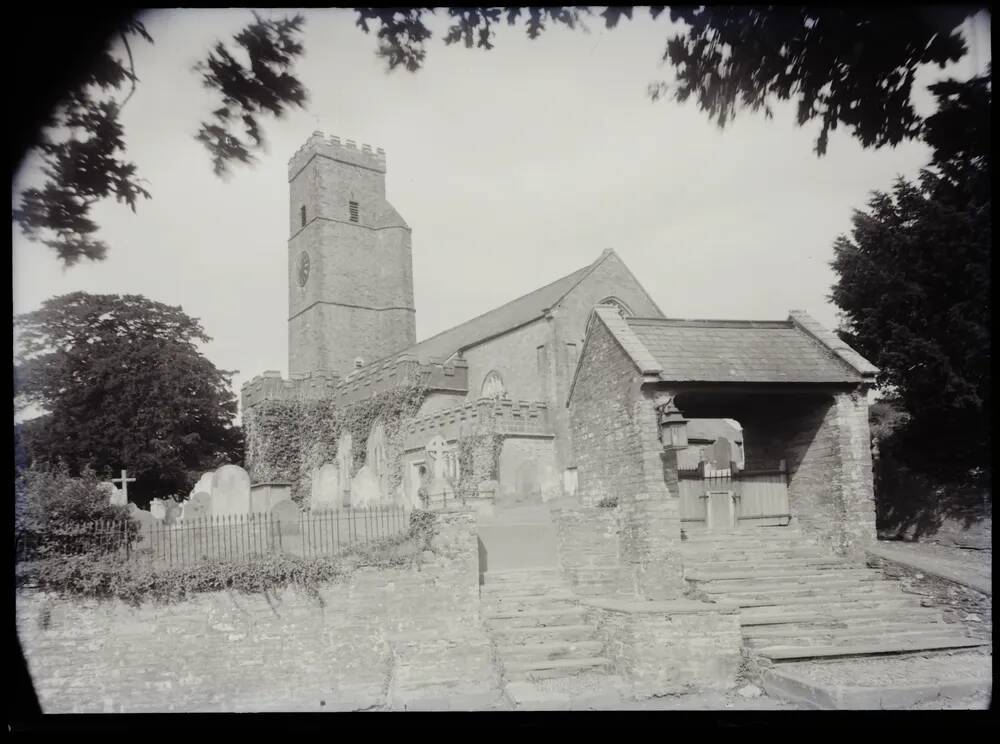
(124, 386)
(851, 67)
(913, 283)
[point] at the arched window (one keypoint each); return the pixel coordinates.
(617, 304)
(493, 386)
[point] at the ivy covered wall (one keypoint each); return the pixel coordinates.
(288, 439)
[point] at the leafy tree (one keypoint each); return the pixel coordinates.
(81, 140)
(913, 285)
(852, 66)
(124, 385)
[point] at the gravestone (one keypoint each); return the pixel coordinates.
(146, 523)
(365, 489)
(173, 510)
(722, 453)
(344, 465)
(204, 484)
(288, 515)
(326, 491)
(116, 497)
(377, 459)
(287, 526)
(230, 491)
(198, 506)
(158, 508)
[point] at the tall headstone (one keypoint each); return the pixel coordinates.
(230, 491)
(376, 458)
(365, 489)
(344, 465)
(204, 484)
(146, 523)
(326, 493)
(286, 518)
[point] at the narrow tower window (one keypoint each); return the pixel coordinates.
(354, 211)
(302, 215)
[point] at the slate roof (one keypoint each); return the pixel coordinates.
(743, 351)
(504, 318)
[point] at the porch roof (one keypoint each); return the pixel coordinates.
(796, 350)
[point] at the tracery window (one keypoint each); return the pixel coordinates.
(493, 386)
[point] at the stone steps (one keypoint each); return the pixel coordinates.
(791, 573)
(798, 601)
(520, 635)
(854, 636)
(551, 650)
(549, 668)
(873, 648)
(769, 617)
(537, 627)
(840, 629)
(816, 596)
(832, 577)
(757, 558)
(513, 618)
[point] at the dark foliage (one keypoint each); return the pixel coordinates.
(914, 287)
(266, 86)
(81, 142)
(124, 385)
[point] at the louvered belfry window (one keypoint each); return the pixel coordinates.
(302, 216)
(354, 211)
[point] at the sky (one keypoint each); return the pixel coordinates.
(513, 167)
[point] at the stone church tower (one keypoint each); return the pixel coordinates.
(350, 265)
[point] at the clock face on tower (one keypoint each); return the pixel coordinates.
(303, 268)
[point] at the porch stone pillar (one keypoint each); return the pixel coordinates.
(651, 533)
(852, 474)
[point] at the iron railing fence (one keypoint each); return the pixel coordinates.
(234, 538)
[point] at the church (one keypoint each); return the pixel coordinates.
(590, 393)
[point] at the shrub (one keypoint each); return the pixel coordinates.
(608, 502)
(54, 513)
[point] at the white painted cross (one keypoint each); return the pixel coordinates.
(124, 481)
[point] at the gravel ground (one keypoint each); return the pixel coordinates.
(959, 604)
(978, 562)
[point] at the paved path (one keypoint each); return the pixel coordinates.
(972, 571)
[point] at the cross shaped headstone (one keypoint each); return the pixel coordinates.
(124, 481)
(436, 448)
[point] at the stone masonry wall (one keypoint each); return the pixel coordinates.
(588, 546)
(618, 453)
(854, 473)
(606, 452)
(399, 638)
(666, 648)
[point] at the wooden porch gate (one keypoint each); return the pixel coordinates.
(728, 498)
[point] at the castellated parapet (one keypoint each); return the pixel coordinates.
(500, 416)
(346, 151)
(359, 385)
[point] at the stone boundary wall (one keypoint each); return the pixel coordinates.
(588, 546)
(669, 648)
(385, 639)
